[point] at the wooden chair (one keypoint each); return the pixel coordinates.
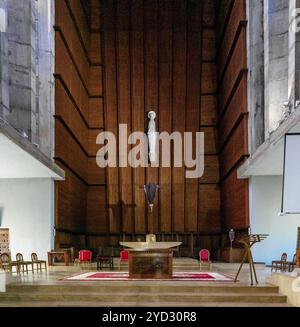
(105, 258)
(204, 259)
(279, 264)
(7, 264)
(39, 263)
(291, 265)
(124, 257)
(24, 264)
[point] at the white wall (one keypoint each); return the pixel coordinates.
(265, 204)
(27, 207)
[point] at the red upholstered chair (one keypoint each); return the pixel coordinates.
(204, 259)
(124, 257)
(84, 257)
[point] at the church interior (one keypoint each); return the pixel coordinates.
(75, 234)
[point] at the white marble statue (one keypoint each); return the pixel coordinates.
(152, 135)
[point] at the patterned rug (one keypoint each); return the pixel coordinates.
(177, 276)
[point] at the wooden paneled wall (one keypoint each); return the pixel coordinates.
(160, 55)
(117, 60)
(81, 199)
(233, 111)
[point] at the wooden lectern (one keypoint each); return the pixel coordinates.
(249, 241)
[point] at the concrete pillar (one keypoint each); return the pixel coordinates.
(45, 78)
(30, 49)
(294, 55)
(22, 58)
(256, 83)
(276, 27)
(4, 82)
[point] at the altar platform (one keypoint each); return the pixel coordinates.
(51, 290)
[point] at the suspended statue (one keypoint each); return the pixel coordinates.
(150, 191)
(152, 136)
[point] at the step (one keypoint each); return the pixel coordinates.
(141, 304)
(145, 297)
(134, 288)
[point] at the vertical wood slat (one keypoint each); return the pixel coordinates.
(124, 108)
(179, 106)
(165, 102)
(111, 105)
(193, 104)
(151, 92)
(138, 110)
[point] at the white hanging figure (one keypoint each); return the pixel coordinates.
(152, 135)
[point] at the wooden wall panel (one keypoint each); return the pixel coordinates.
(211, 140)
(209, 15)
(236, 21)
(234, 112)
(81, 198)
(95, 19)
(96, 175)
(138, 105)
(124, 109)
(154, 59)
(155, 55)
(193, 104)
(76, 10)
(209, 76)
(64, 140)
(69, 114)
(209, 219)
(211, 170)
(151, 91)
(165, 47)
(95, 49)
(209, 113)
(95, 85)
(236, 148)
(96, 113)
(71, 202)
(235, 202)
(209, 45)
(111, 104)
(236, 66)
(179, 106)
(96, 221)
(66, 69)
(232, 107)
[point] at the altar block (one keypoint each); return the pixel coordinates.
(151, 264)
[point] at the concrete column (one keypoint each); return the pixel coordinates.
(45, 78)
(22, 68)
(276, 27)
(256, 83)
(294, 55)
(4, 82)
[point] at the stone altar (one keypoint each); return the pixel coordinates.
(151, 264)
(142, 246)
(150, 260)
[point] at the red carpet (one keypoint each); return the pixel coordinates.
(177, 276)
